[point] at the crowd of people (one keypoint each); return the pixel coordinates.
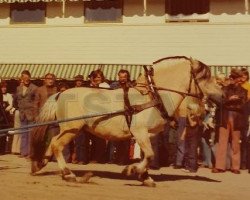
(219, 138)
(205, 134)
(22, 107)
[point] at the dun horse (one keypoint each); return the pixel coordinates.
(181, 74)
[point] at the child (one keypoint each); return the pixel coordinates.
(193, 127)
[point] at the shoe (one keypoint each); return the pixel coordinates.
(249, 171)
(188, 170)
(235, 171)
(74, 162)
(23, 156)
(203, 165)
(82, 163)
(215, 170)
(243, 167)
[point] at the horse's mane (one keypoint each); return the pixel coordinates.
(202, 72)
(171, 57)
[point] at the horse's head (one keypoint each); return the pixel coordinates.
(204, 80)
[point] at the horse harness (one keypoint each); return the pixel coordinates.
(156, 101)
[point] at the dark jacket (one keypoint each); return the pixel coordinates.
(26, 102)
(233, 106)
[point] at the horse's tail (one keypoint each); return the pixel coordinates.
(48, 111)
(38, 143)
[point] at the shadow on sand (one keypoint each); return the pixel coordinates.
(120, 176)
(157, 178)
(7, 168)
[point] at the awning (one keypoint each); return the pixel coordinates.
(69, 71)
(66, 71)
(35, 1)
(24, 1)
(225, 69)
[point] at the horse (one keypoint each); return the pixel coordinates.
(162, 90)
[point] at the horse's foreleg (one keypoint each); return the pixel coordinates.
(57, 147)
(143, 140)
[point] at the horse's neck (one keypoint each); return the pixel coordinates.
(172, 78)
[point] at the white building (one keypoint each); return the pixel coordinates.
(63, 36)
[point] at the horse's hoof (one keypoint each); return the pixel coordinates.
(36, 167)
(129, 170)
(125, 171)
(149, 183)
(69, 178)
(85, 178)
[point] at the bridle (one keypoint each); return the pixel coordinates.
(154, 90)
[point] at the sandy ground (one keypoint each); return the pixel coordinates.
(109, 184)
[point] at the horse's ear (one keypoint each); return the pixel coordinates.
(194, 63)
(191, 60)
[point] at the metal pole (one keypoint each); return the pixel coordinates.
(13, 130)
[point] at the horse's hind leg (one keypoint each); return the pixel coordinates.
(57, 147)
(53, 135)
(142, 138)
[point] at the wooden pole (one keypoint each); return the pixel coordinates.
(63, 8)
(246, 7)
(144, 8)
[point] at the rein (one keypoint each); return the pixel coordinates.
(170, 90)
(154, 89)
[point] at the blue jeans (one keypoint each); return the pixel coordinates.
(25, 138)
(82, 147)
(207, 153)
(180, 143)
(191, 145)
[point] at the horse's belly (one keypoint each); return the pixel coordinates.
(111, 129)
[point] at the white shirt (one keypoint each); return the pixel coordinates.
(104, 85)
(8, 98)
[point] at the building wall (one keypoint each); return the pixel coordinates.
(213, 44)
(141, 39)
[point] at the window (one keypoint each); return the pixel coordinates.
(103, 11)
(28, 12)
(190, 10)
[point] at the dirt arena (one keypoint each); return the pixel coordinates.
(108, 183)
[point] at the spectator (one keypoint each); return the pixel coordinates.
(231, 123)
(245, 154)
(44, 92)
(41, 95)
(16, 143)
(208, 135)
(25, 96)
(98, 145)
(191, 134)
(62, 87)
(79, 147)
(121, 147)
(6, 107)
(181, 121)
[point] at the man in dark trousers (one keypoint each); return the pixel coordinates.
(231, 123)
(122, 147)
(25, 96)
